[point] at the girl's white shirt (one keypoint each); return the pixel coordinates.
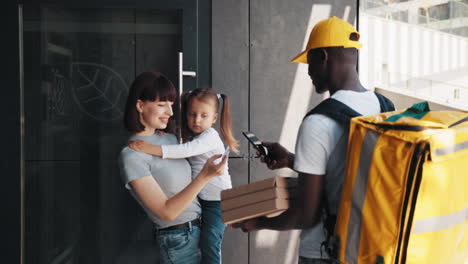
(198, 151)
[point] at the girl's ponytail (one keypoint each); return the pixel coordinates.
(226, 125)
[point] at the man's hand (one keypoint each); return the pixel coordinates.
(278, 156)
(248, 225)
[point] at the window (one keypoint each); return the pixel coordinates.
(418, 48)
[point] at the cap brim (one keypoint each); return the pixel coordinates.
(301, 58)
(355, 44)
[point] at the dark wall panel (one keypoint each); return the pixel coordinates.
(10, 161)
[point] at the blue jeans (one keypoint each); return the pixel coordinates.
(179, 246)
(304, 260)
(212, 232)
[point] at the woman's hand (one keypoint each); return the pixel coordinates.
(212, 168)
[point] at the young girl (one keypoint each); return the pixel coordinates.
(200, 113)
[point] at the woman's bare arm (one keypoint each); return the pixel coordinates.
(152, 196)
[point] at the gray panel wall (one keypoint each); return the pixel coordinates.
(230, 59)
(230, 75)
(252, 44)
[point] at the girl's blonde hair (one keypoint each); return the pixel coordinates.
(205, 95)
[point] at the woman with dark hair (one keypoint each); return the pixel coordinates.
(163, 187)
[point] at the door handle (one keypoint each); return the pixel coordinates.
(182, 73)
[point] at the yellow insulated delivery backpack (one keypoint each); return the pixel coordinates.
(405, 192)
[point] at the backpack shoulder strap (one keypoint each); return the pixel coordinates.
(341, 113)
(334, 109)
(385, 104)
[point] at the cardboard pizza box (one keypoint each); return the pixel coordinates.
(268, 208)
(255, 197)
(281, 182)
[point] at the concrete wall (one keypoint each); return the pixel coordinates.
(252, 45)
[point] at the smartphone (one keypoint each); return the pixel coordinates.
(226, 152)
(218, 160)
(256, 143)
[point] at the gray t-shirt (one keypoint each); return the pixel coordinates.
(172, 175)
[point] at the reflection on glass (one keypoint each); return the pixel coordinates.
(78, 65)
(416, 47)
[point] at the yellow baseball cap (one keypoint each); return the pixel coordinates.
(331, 32)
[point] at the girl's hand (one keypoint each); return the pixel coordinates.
(142, 146)
(138, 145)
(212, 168)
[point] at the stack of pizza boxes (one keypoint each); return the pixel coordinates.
(269, 198)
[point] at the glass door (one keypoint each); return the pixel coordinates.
(78, 63)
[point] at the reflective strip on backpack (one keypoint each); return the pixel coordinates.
(359, 195)
(450, 149)
(438, 223)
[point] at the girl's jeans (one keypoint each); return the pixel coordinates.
(212, 232)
